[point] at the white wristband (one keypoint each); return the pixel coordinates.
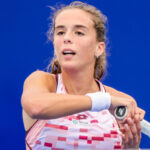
(100, 101)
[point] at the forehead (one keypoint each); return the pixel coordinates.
(74, 16)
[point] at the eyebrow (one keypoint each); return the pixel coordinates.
(75, 26)
(59, 27)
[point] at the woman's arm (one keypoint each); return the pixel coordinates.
(40, 101)
(124, 97)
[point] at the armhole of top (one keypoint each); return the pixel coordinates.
(56, 80)
(104, 87)
(26, 132)
(101, 86)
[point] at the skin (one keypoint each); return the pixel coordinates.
(74, 30)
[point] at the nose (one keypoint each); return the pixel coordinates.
(68, 37)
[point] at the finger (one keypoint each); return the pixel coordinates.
(123, 135)
(132, 106)
(137, 133)
(133, 130)
(132, 125)
(141, 112)
(124, 129)
(137, 122)
(134, 109)
(125, 140)
(128, 134)
(138, 127)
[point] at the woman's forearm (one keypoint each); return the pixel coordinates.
(52, 105)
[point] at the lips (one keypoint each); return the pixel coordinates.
(68, 52)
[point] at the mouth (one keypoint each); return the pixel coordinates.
(68, 52)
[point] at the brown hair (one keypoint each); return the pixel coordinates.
(99, 24)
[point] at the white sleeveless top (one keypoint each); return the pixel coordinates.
(82, 131)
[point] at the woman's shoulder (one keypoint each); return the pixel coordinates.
(116, 92)
(42, 74)
(41, 78)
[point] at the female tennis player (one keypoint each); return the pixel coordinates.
(69, 108)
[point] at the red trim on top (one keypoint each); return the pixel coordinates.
(104, 87)
(28, 144)
(117, 147)
(27, 134)
(48, 144)
(56, 126)
(98, 138)
(113, 132)
(57, 79)
(82, 137)
(30, 128)
(98, 83)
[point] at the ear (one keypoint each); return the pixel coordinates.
(100, 48)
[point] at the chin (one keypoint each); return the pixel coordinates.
(70, 67)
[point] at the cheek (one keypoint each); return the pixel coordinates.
(57, 44)
(88, 46)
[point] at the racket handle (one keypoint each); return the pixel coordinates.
(145, 125)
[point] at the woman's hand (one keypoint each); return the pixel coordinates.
(131, 129)
(128, 102)
(141, 113)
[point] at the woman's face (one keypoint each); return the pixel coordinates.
(75, 41)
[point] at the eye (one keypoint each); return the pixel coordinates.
(60, 33)
(79, 33)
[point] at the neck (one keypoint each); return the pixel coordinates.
(79, 83)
